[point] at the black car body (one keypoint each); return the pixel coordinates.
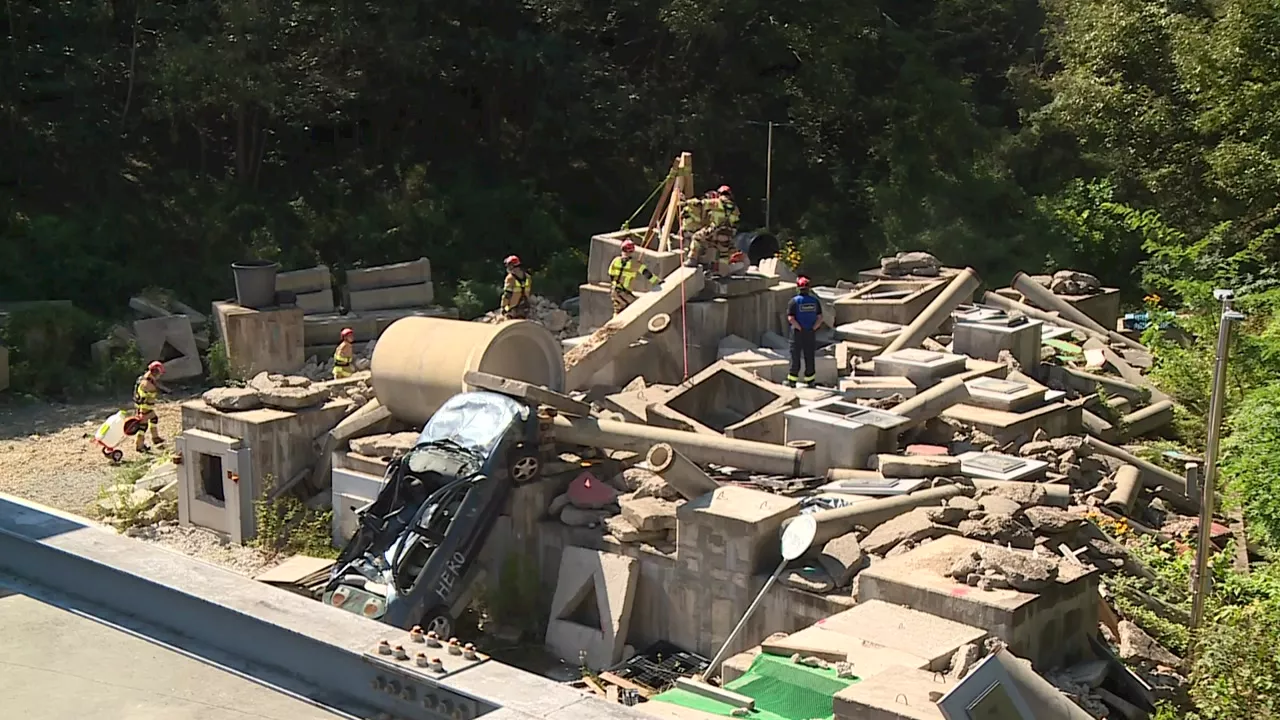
(414, 554)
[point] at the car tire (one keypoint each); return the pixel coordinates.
(439, 622)
(525, 466)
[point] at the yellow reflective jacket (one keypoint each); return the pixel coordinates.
(693, 214)
(143, 397)
(339, 359)
(623, 271)
(516, 291)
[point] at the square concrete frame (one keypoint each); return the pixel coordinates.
(985, 340)
(891, 301)
(924, 368)
(1055, 418)
(997, 466)
(735, 398)
(1006, 395)
(869, 332)
(609, 581)
(174, 332)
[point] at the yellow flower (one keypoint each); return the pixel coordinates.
(1152, 299)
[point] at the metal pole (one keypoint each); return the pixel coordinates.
(751, 609)
(768, 180)
(1201, 570)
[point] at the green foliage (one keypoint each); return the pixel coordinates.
(1236, 675)
(1250, 464)
(473, 299)
(218, 366)
(286, 525)
(50, 358)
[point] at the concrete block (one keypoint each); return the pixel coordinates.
(896, 693)
(1103, 307)
(413, 272)
(1007, 395)
(924, 368)
(169, 339)
(718, 400)
(607, 246)
(888, 301)
(307, 280)
(900, 628)
(261, 340)
(985, 340)
(869, 332)
(402, 296)
(845, 434)
(1050, 628)
(1055, 418)
(591, 609)
(740, 525)
(320, 301)
(996, 466)
(594, 306)
(634, 405)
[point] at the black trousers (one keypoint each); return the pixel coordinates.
(803, 345)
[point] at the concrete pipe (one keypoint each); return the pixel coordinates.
(929, 404)
(1045, 298)
(419, 362)
(1008, 305)
(1174, 488)
(1087, 382)
(680, 472)
(869, 513)
(1148, 419)
(698, 447)
(961, 286)
(1128, 483)
(1098, 427)
(1049, 493)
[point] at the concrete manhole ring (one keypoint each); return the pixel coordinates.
(659, 322)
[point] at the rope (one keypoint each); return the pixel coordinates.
(684, 311)
(656, 189)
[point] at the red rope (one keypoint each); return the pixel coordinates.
(684, 310)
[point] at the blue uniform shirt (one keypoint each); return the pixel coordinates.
(806, 309)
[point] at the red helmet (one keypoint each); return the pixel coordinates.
(802, 281)
(156, 367)
(724, 190)
(347, 333)
(511, 260)
(628, 246)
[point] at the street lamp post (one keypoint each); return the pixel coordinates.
(768, 169)
(1200, 573)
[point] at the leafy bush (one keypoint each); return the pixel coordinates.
(1249, 463)
(286, 525)
(50, 356)
(1236, 674)
(473, 299)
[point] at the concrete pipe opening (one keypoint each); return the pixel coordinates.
(419, 362)
(660, 457)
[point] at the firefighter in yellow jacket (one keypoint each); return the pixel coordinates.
(622, 273)
(146, 393)
(517, 290)
(344, 356)
(712, 242)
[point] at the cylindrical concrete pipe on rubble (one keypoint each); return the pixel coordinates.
(839, 521)
(837, 474)
(1148, 419)
(1045, 298)
(680, 472)
(419, 362)
(1175, 487)
(1010, 305)
(960, 287)
(930, 403)
(699, 447)
(1128, 484)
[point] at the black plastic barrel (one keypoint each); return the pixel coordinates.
(757, 245)
(255, 283)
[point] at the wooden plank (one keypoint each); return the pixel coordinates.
(533, 394)
(626, 684)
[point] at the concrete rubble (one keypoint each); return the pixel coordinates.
(996, 471)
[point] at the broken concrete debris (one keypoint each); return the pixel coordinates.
(961, 463)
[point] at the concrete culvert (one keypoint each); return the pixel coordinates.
(757, 245)
(659, 322)
(419, 362)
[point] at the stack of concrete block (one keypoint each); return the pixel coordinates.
(390, 287)
(312, 286)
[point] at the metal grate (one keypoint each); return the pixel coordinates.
(660, 665)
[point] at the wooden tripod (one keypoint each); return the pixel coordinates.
(666, 216)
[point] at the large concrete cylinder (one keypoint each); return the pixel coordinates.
(419, 362)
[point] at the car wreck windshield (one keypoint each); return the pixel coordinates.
(474, 420)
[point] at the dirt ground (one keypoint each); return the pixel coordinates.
(46, 456)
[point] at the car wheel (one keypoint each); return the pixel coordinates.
(524, 467)
(439, 622)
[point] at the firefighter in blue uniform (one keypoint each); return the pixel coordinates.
(804, 313)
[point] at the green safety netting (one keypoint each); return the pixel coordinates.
(783, 690)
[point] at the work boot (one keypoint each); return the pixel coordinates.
(156, 439)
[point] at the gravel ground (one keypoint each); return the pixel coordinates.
(46, 457)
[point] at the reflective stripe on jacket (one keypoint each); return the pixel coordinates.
(143, 396)
(339, 360)
(517, 290)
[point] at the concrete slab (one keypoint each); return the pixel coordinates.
(591, 610)
(1055, 418)
(306, 280)
(875, 387)
(401, 296)
(170, 340)
(996, 466)
(413, 272)
(316, 303)
(868, 660)
(869, 332)
(720, 399)
(61, 665)
(900, 628)
(531, 394)
(872, 487)
(634, 405)
(924, 368)
(897, 693)
(1049, 628)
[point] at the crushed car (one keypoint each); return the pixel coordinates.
(413, 558)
